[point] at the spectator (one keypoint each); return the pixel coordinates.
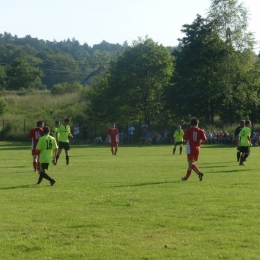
(131, 131)
(76, 132)
(98, 140)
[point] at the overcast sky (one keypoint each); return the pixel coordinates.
(114, 21)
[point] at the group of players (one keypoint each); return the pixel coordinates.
(194, 136)
(45, 148)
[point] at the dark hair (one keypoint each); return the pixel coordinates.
(57, 122)
(39, 123)
(248, 122)
(46, 129)
(67, 119)
(194, 121)
(242, 122)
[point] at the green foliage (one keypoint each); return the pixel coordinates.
(65, 87)
(2, 77)
(3, 105)
(107, 207)
(217, 79)
(39, 106)
(134, 83)
(65, 61)
(20, 74)
(230, 20)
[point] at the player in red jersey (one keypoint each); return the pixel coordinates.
(112, 137)
(194, 137)
(35, 135)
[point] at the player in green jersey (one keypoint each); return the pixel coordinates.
(245, 141)
(54, 131)
(178, 139)
(47, 147)
(64, 134)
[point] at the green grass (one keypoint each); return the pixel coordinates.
(130, 206)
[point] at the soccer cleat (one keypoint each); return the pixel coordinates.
(201, 176)
(241, 163)
(52, 182)
(184, 178)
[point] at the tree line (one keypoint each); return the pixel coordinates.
(214, 72)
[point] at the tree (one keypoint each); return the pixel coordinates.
(195, 86)
(20, 74)
(229, 19)
(136, 80)
(2, 77)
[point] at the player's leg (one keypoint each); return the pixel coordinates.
(189, 170)
(174, 149)
(61, 146)
(40, 174)
(180, 148)
(245, 153)
(45, 166)
(35, 156)
(238, 153)
(67, 157)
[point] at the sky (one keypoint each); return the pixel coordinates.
(115, 21)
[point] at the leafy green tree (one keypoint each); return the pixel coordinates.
(136, 81)
(195, 86)
(20, 74)
(229, 19)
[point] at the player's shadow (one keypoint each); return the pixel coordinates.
(231, 171)
(214, 166)
(145, 184)
(19, 187)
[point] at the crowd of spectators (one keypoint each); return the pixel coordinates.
(149, 136)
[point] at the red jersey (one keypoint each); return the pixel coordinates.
(194, 136)
(35, 135)
(113, 134)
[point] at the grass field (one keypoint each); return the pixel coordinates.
(130, 206)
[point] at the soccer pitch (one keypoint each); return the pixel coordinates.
(130, 206)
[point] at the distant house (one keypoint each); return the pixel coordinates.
(90, 78)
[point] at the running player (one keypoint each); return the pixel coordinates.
(35, 135)
(194, 137)
(47, 147)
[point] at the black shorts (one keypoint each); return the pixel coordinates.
(44, 166)
(178, 143)
(244, 149)
(64, 145)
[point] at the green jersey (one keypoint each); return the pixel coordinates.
(46, 145)
(54, 131)
(64, 131)
(244, 135)
(178, 135)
